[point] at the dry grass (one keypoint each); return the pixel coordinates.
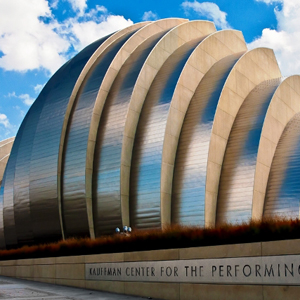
(172, 237)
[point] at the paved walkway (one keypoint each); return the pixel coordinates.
(11, 289)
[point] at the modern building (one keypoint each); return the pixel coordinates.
(165, 122)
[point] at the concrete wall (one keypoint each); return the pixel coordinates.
(70, 271)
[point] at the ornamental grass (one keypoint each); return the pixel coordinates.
(175, 236)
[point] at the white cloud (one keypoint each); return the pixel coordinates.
(4, 121)
(268, 1)
(54, 3)
(149, 16)
(38, 88)
(285, 40)
(22, 112)
(78, 6)
(36, 40)
(25, 40)
(26, 99)
(10, 95)
(209, 10)
(86, 32)
(6, 128)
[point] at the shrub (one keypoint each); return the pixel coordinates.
(172, 237)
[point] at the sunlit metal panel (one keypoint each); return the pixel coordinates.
(238, 170)
(146, 160)
(43, 165)
(283, 190)
(35, 155)
(74, 202)
(54, 150)
(228, 42)
(188, 195)
(8, 212)
(174, 39)
(124, 53)
(107, 210)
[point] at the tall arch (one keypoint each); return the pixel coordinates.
(238, 169)
(157, 80)
(106, 140)
(284, 106)
(254, 67)
(73, 203)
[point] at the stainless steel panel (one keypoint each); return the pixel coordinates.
(188, 195)
(44, 158)
(145, 210)
(283, 190)
(74, 200)
(8, 222)
(106, 181)
(31, 179)
(238, 170)
(8, 235)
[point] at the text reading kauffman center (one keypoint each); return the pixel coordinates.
(165, 122)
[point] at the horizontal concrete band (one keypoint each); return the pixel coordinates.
(71, 271)
(267, 270)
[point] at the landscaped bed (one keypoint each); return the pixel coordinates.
(171, 237)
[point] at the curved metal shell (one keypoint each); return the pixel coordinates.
(31, 183)
(75, 133)
(106, 181)
(145, 189)
(238, 169)
(242, 79)
(192, 155)
(283, 107)
(133, 131)
(7, 213)
(5, 149)
(283, 190)
(145, 174)
(199, 63)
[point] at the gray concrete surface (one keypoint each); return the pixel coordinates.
(12, 288)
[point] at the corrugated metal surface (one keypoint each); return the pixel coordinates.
(188, 195)
(74, 203)
(145, 210)
(283, 191)
(8, 234)
(47, 188)
(238, 170)
(31, 180)
(106, 182)
(7, 213)
(44, 160)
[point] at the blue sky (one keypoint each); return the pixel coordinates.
(38, 36)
